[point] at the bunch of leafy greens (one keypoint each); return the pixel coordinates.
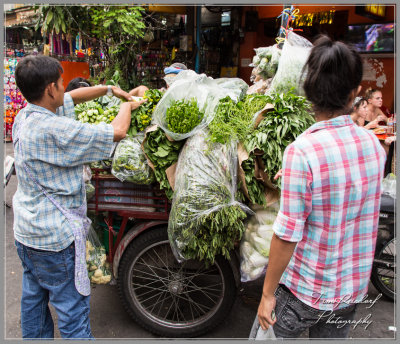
(255, 188)
(183, 115)
(280, 127)
(130, 164)
(234, 121)
(141, 117)
(162, 153)
(205, 220)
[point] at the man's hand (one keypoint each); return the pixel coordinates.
(122, 121)
(121, 93)
(266, 311)
(135, 105)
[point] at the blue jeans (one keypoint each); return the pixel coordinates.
(49, 277)
(294, 316)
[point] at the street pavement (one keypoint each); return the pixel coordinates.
(109, 320)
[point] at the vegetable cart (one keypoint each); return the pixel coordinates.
(168, 298)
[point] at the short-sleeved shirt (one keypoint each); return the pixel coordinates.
(54, 147)
(330, 199)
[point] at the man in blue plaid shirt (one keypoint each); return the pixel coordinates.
(50, 223)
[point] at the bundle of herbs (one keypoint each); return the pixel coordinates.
(290, 117)
(141, 117)
(183, 116)
(205, 219)
(234, 121)
(162, 153)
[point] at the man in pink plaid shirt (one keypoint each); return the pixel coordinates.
(322, 251)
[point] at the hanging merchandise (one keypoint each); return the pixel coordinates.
(13, 99)
(150, 67)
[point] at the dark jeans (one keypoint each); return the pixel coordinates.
(48, 277)
(294, 317)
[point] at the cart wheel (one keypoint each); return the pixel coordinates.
(384, 268)
(173, 299)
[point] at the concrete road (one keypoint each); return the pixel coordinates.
(110, 320)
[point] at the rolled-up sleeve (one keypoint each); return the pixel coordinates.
(296, 196)
(68, 108)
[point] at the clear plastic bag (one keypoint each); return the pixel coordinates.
(389, 185)
(256, 241)
(130, 163)
(258, 333)
(235, 88)
(187, 85)
(96, 260)
(205, 185)
(266, 61)
(90, 190)
(87, 173)
(290, 76)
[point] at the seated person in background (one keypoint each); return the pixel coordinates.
(375, 116)
(77, 83)
(359, 112)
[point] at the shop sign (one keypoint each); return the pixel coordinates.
(310, 19)
(373, 11)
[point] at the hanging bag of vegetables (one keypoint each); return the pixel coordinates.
(205, 218)
(96, 260)
(130, 164)
(289, 76)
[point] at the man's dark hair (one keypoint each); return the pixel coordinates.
(333, 69)
(34, 73)
(77, 83)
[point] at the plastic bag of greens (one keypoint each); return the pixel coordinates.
(90, 190)
(96, 260)
(266, 61)
(187, 86)
(289, 75)
(205, 218)
(235, 87)
(130, 163)
(256, 241)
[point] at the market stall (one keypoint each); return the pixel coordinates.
(192, 189)
(13, 99)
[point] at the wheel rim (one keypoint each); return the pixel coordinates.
(171, 294)
(387, 275)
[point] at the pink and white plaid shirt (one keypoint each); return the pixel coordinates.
(331, 189)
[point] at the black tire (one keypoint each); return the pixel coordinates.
(201, 297)
(384, 269)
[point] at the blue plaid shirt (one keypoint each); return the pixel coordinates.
(54, 146)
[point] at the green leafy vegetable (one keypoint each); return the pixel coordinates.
(205, 219)
(162, 153)
(130, 164)
(234, 121)
(141, 117)
(280, 127)
(183, 116)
